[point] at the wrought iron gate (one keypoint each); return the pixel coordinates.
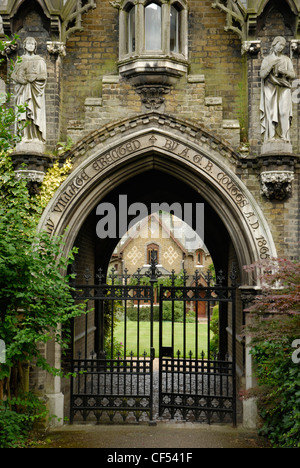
(195, 384)
(117, 381)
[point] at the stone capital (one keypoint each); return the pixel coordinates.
(56, 48)
(277, 185)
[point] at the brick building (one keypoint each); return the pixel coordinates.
(161, 100)
(167, 240)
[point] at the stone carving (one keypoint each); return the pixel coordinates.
(56, 48)
(277, 185)
(252, 48)
(30, 75)
(276, 97)
(34, 179)
(153, 96)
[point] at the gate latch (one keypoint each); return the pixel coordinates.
(167, 351)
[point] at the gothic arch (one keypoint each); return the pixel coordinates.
(125, 151)
(113, 155)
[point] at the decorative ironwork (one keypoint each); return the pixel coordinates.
(112, 387)
(193, 384)
(110, 382)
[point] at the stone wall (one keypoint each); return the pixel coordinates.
(94, 95)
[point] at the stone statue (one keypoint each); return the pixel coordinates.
(276, 97)
(30, 75)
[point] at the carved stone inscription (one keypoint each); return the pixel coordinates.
(90, 173)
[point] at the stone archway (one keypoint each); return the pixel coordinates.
(112, 156)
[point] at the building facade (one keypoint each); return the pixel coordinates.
(185, 101)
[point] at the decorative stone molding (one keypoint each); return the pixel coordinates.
(252, 48)
(30, 175)
(153, 96)
(242, 17)
(56, 48)
(65, 17)
(236, 16)
(277, 185)
(34, 179)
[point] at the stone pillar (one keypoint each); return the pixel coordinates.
(250, 413)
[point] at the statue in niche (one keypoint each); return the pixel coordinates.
(30, 75)
(276, 96)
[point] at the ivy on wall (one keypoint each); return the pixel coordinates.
(52, 181)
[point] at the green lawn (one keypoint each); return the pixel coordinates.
(144, 337)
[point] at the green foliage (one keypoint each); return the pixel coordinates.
(214, 328)
(35, 296)
(145, 313)
(36, 302)
(274, 325)
(18, 416)
(278, 394)
(52, 181)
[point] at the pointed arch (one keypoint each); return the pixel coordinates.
(115, 154)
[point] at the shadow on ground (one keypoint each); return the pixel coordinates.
(163, 435)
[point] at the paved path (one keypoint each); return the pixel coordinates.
(163, 435)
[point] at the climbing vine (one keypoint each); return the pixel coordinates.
(52, 181)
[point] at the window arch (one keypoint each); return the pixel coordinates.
(152, 250)
(153, 26)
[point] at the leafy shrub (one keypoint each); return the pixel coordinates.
(275, 324)
(18, 417)
(145, 313)
(214, 328)
(279, 394)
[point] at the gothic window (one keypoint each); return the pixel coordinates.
(131, 30)
(175, 23)
(153, 27)
(152, 251)
(199, 257)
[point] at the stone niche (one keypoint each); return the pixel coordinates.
(31, 21)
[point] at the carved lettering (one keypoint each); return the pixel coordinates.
(171, 145)
(116, 154)
(49, 226)
(255, 225)
(184, 153)
(263, 249)
(198, 159)
(70, 192)
(224, 180)
(209, 166)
